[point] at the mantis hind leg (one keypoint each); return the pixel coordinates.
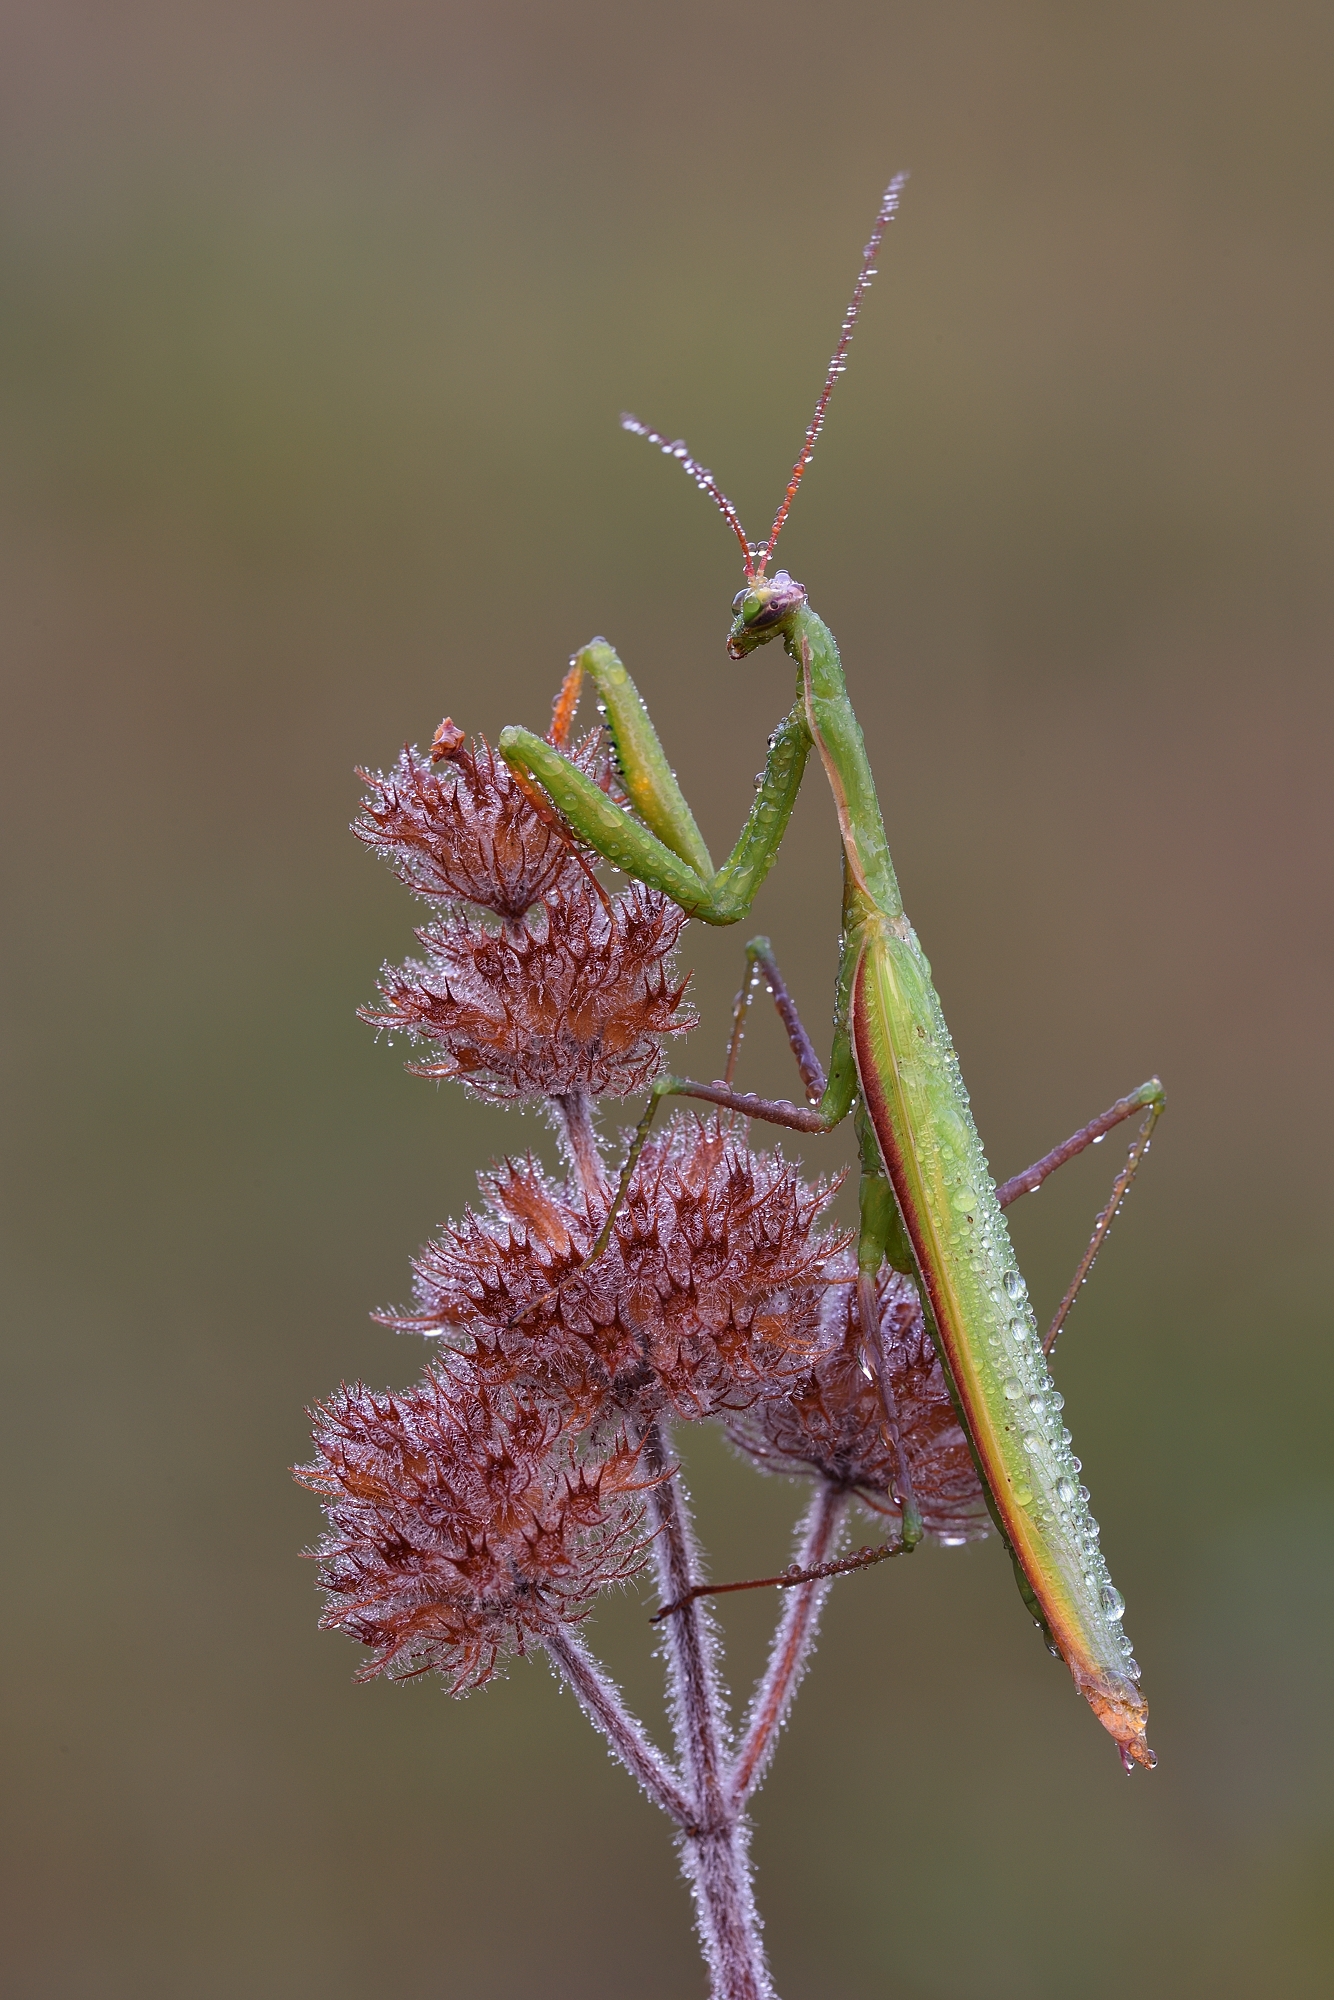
(1150, 1099)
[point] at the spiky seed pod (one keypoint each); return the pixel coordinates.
(456, 827)
(463, 1524)
(708, 1296)
(575, 997)
(832, 1423)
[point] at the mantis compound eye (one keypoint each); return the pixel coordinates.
(765, 602)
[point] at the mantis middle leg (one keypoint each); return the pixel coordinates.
(762, 968)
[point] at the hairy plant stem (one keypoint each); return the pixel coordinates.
(603, 1704)
(574, 1123)
(817, 1537)
(715, 1854)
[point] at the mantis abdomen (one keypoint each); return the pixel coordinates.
(988, 1337)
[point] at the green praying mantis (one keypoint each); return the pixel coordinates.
(928, 1205)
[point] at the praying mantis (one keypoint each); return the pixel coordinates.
(928, 1205)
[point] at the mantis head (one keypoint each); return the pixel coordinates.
(762, 609)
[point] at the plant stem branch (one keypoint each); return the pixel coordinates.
(715, 1856)
(603, 1704)
(817, 1537)
(574, 1122)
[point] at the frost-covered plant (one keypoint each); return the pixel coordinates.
(478, 1515)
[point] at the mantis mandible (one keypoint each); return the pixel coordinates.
(928, 1204)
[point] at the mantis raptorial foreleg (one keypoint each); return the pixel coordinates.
(668, 851)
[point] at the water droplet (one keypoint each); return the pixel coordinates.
(1133, 1670)
(1065, 1491)
(1037, 1405)
(1112, 1602)
(1056, 1399)
(1014, 1285)
(1023, 1496)
(1012, 1388)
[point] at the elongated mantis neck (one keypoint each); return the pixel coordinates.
(872, 884)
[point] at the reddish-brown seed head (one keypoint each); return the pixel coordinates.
(464, 1523)
(575, 997)
(465, 832)
(832, 1423)
(573, 989)
(708, 1297)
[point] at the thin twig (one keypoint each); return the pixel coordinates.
(715, 1855)
(791, 1649)
(574, 1122)
(603, 1704)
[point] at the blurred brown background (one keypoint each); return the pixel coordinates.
(316, 322)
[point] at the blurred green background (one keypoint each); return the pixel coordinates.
(315, 325)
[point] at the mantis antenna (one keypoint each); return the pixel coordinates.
(758, 555)
(677, 448)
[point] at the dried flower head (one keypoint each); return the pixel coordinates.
(708, 1297)
(833, 1422)
(457, 828)
(463, 1524)
(575, 996)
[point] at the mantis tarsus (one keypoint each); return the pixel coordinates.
(928, 1204)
